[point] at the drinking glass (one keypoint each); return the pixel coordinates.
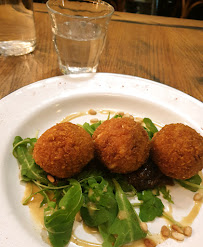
(79, 33)
(17, 27)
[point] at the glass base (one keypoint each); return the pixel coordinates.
(66, 70)
(16, 47)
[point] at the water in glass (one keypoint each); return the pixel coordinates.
(79, 45)
(17, 32)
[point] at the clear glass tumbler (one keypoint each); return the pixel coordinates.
(17, 27)
(79, 33)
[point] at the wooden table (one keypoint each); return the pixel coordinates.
(166, 50)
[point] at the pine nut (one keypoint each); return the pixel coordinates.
(149, 243)
(50, 178)
(144, 226)
(177, 229)
(197, 197)
(94, 120)
(187, 230)
(128, 116)
(165, 231)
(78, 217)
(177, 236)
(138, 119)
(92, 112)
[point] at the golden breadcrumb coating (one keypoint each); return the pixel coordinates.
(121, 144)
(63, 150)
(177, 149)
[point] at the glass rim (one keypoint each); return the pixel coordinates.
(84, 17)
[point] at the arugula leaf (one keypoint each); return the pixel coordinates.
(95, 125)
(192, 184)
(109, 239)
(125, 186)
(126, 225)
(42, 192)
(59, 221)
(151, 207)
(100, 208)
(165, 193)
(45, 197)
(58, 194)
(150, 127)
(57, 191)
(91, 128)
(90, 171)
(22, 151)
(99, 205)
(86, 126)
(118, 116)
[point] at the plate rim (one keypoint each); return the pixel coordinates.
(46, 80)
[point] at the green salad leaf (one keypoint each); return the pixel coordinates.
(100, 207)
(150, 127)
(117, 116)
(22, 151)
(126, 226)
(151, 207)
(59, 220)
(90, 171)
(108, 238)
(90, 128)
(99, 204)
(166, 193)
(42, 192)
(192, 184)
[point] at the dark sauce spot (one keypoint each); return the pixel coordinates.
(148, 177)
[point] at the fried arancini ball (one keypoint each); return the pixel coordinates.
(121, 144)
(177, 150)
(63, 150)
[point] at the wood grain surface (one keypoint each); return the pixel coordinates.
(166, 50)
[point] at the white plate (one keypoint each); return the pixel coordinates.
(42, 104)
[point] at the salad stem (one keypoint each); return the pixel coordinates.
(51, 187)
(192, 184)
(171, 219)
